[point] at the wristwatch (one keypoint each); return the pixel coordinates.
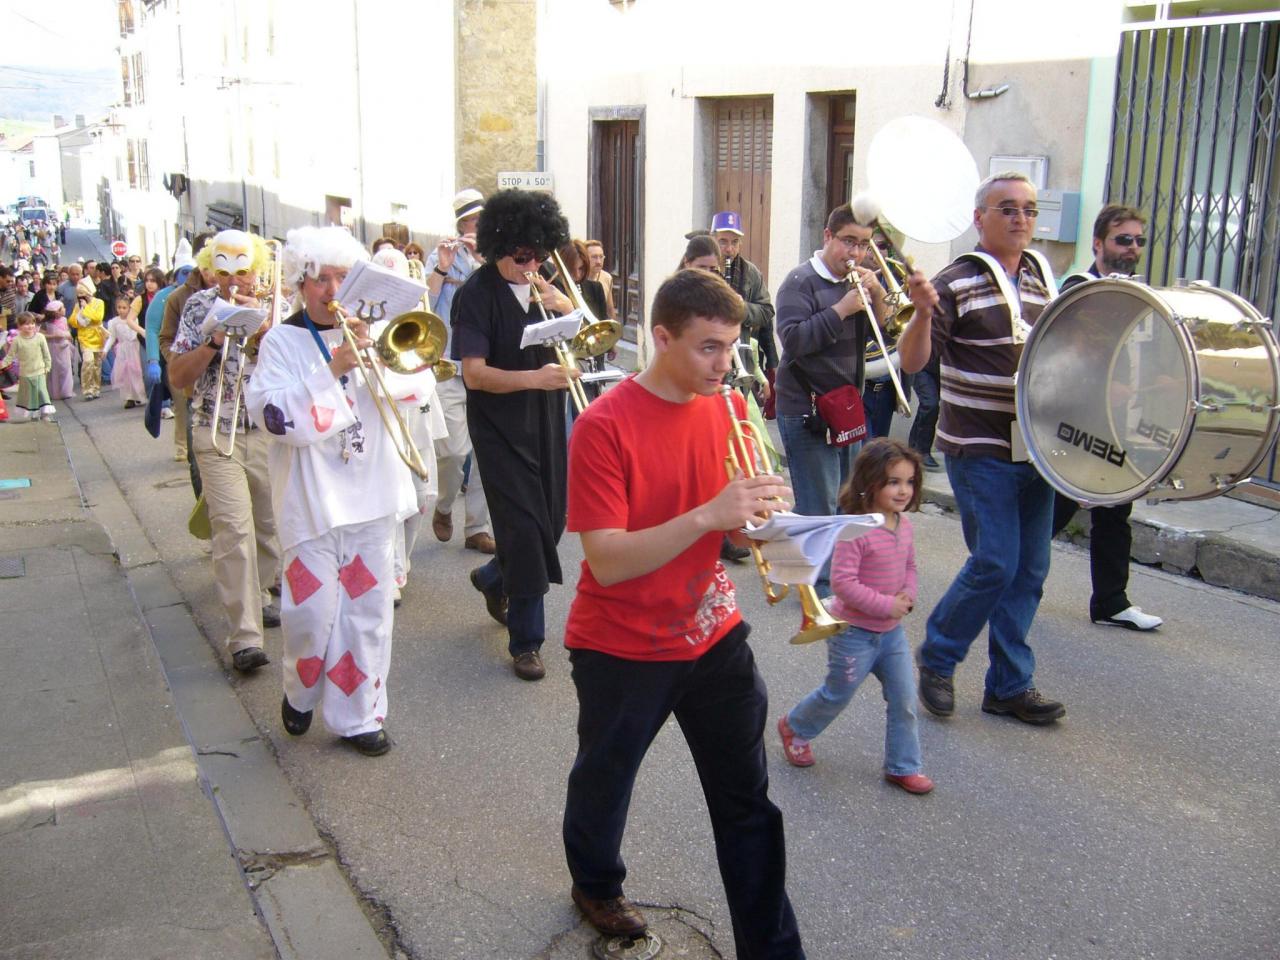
(443, 273)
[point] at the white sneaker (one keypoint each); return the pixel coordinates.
(166, 413)
(1132, 618)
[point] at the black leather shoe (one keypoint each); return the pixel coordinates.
(937, 693)
(615, 917)
(1028, 706)
(271, 614)
(495, 603)
(372, 744)
(296, 723)
(249, 659)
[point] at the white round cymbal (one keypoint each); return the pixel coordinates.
(924, 178)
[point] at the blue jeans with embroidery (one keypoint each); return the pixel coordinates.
(851, 655)
(1006, 514)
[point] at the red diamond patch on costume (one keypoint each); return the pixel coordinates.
(357, 578)
(322, 417)
(345, 675)
(309, 670)
(377, 684)
(302, 582)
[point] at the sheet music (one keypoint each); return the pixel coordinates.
(547, 331)
(372, 292)
(797, 546)
(607, 374)
(236, 319)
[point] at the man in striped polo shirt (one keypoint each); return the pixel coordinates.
(986, 303)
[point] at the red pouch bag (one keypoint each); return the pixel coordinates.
(846, 419)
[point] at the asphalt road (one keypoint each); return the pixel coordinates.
(1144, 825)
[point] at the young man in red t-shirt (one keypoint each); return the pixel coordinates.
(655, 628)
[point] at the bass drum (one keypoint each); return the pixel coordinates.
(1127, 391)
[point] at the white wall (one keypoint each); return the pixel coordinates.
(665, 54)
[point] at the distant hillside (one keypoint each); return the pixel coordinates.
(37, 93)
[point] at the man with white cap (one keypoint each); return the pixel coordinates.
(448, 266)
(340, 490)
(237, 493)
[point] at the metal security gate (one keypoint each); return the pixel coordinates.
(1193, 145)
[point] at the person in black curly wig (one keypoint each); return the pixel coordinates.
(515, 219)
(516, 413)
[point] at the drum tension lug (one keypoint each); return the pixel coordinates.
(1201, 407)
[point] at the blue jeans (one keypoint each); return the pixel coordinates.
(925, 424)
(851, 655)
(526, 618)
(879, 401)
(817, 472)
(1006, 513)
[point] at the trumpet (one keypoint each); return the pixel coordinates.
(749, 455)
(564, 355)
(595, 336)
(904, 407)
(245, 344)
(411, 343)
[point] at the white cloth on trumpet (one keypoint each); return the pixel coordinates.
(333, 463)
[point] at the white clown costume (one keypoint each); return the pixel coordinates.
(424, 416)
(340, 492)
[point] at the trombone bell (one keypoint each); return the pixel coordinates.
(412, 342)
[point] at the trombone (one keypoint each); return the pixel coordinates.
(564, 353)
(904, 407)
(444, 369)
(595, 337)
(749, 455)
(410, 344)
(239, 338)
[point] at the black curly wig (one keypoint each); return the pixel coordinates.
(512, 219)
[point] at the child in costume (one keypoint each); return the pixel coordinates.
(31, 350)
(123, 334)
(87, 319)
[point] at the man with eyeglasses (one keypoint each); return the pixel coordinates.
(236, 489)
(986, 303)
(515, 413)
(824, 325)
(1119, 234)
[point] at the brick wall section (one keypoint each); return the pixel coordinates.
(497, 89)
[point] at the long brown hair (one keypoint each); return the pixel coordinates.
(871, 473)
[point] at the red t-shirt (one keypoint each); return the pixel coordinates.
(637, 461)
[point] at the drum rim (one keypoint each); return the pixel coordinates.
(1191, 369)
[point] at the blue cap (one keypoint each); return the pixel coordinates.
(180, 275)
(727, 220)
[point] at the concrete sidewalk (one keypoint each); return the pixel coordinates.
(141, 813)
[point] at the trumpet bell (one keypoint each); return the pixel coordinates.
(595, 339)
(444, 370)
(815, 624)
(412, 342)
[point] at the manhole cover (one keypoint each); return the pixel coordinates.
(12, 567)
(625, 948)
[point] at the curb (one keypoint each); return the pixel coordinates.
(292, 876)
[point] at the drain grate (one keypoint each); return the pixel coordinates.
(12, 567)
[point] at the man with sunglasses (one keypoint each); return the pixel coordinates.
(824, 325)
(236, 489)
(986, 303)
(1119, 234)
(515, 412)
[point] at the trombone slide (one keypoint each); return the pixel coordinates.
(564, 356)
(904, 408)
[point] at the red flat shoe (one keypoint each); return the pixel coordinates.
(794, 749)
(911, 782)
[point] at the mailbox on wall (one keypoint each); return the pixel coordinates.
(1059, 215)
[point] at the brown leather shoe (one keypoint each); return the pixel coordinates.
(528, 666)
(442, 526)
(482, 542)
(616, 917)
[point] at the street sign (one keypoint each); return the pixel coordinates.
(534, 180)
(119, 248)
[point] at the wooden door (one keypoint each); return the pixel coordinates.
(617, 214)
(744, 170)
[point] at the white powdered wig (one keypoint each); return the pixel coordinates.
(393, 260)
(307, 249)
(866, 209)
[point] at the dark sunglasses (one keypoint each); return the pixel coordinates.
(1129, 239)
(523, 258)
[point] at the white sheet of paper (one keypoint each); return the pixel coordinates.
(602, 376)
(372, 292)
(797, 546)
(237, 320)
(548, 331)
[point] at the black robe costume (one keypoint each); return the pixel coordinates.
(518, 438)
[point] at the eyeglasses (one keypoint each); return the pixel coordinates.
(522, 257)
(1129, 239)
(1011, 211)
(855, 243)
(225, 273)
